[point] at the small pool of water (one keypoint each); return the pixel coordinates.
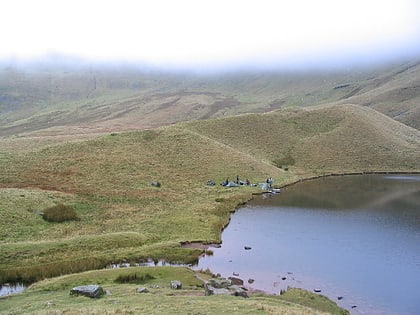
(7, 289)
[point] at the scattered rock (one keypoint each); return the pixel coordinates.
(247, 247)
(224, 287)
(238, 291)
(236, 274)
(155, 184)
(176, 285)
(283, 278)
(339, 298)
(108, 292)
(250, 281)
(317, 290)
(354, 306)
(142, 290)
(236, 281)
(92, 291)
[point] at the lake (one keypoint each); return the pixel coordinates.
(355, 238)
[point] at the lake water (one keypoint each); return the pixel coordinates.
(355, 237)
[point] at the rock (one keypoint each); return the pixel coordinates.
(250, 280)
(221, 286)
(92, 291)
(142, 290)
(283, 278)
(247, 247)
(219, 283)
(176, 285)
(209, 290)
(317, 290)
(238, 291)
(339, 298)
(155, 184)
(108, 292)
(236, 281)
(236, 274)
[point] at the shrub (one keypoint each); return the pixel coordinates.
(60, 213)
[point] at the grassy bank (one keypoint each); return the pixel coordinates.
(52, 296)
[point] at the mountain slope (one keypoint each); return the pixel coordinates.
(54, 101)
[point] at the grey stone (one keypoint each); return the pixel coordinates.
(142, 290)
(92, 291)
(224, 287)
(176, 284)
(236, 281)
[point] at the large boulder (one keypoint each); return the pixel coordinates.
(92, 291)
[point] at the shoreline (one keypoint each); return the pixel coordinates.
(349, 174)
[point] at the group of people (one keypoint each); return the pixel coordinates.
(237, 182)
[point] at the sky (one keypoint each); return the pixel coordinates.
(211, 34)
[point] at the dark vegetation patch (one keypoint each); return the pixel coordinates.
(137, 278)
(284, 161)
(60, 213)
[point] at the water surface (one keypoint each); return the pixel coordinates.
(355, 237)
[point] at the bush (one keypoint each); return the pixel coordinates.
(60, 213)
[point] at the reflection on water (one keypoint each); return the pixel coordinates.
(7, 289)
(355, 237)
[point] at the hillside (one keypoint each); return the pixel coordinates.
(90, 99)
(107, 180)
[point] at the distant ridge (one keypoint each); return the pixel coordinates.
(50, 101)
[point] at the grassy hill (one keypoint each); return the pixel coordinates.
(107, 181)
(53, 100)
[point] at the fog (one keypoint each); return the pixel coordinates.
(211, 36)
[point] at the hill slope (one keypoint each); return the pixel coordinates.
(107, 180)
(54, 100)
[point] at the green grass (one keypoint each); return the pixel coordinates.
(52, 296)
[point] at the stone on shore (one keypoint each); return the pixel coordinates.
(224, 287)
(92, 291)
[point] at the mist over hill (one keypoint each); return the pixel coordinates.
(77, 97)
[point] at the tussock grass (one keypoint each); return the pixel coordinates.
(60, 213)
